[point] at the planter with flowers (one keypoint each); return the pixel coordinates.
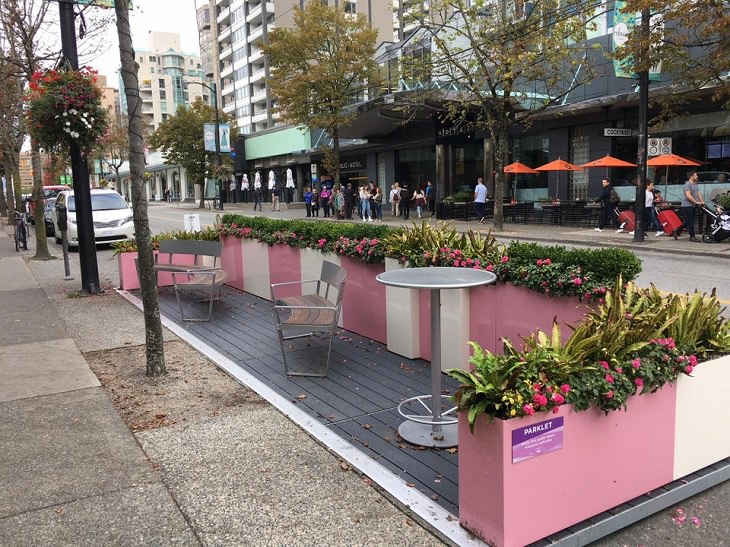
(64, 107)
(594, 421)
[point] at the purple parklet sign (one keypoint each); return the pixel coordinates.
(537, 439)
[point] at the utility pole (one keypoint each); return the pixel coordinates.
(643, 74)
(79, 166)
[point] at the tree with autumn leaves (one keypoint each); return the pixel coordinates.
(180, 138)
(318, 67)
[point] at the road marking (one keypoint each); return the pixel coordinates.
(720, 300)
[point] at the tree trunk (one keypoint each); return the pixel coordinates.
(41, 248)
(6, 201)
(148, 280)
(336, 153)
(500, 136)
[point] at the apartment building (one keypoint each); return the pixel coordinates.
(237, 27)
(168, 78)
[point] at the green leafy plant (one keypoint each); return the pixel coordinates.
(130, 245)
(635, 342)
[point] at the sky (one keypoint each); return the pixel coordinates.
(150, 15)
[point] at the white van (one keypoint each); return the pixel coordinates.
(112, 217)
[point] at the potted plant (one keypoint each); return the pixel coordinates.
(597, 419)
(64, 106)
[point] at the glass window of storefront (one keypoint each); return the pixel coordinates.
(416, 166)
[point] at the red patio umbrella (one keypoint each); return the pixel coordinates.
(558, 165)
(608, 162)
(518, 168)
(668, 160)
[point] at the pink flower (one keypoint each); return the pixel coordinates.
(639, 382)
(537, 387)
(527, 409)
(556, 409)
(688, 369)
(693, 360)
(619, 370)
(609, 378)
(636, 363)
(577, 281)
(565, 388)
(539, 399)
(604, 364)
(547, 262)
(557, 398)
(505, 259)
(609, 394)
(490, 267)
(539, 262)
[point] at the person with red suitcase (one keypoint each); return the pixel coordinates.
(609, 199)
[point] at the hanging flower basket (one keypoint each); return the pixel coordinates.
(64, 106)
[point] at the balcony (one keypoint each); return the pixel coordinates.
(258, 76)
(255, 15)
(224, 15)
(223, 34)
(259, 96)
(256, 35)
(259, 117)
(227, 70)
(226, 53)
(256, 55)
(228, 90)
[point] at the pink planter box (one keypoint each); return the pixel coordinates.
(363, 305)
(603, 462)
(128, 278)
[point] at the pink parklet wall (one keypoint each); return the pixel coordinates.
(363, 303)
(605, 460)
(232, 261)
(285, 265)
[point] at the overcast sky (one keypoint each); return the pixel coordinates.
(150, 15)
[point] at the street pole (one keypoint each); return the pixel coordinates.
(79, 167)
(218, 159)
(643, 74)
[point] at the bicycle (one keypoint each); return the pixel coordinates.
(20, 232)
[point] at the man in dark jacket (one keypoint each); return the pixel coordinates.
(405, 202)
(608, 208)
(349, 201)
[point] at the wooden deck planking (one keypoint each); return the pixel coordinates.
(365, 384)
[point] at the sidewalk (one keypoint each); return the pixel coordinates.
(71, 473)
(550, 234)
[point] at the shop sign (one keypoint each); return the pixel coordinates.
(616, 132)
(659, 146)
(352, 165)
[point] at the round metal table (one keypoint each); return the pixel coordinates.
(434, 428)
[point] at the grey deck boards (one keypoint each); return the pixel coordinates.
(358, 400)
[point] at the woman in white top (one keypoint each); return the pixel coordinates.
(420, 198)
(365, 204)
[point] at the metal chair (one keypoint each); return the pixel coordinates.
(319, 311)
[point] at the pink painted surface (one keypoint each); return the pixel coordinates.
(605, 461)
(363, 303)
(232, 261)
(506, 311)
(128, 278)
(285, 265)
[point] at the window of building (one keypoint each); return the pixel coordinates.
(141, 60)
(153, 59)
(351, 6)
(161, 82)
(152, 70)
(163, 95)
(163, 106)
(164, 117)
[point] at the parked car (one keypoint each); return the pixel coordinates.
(111, 214)
(48, 193)
(48, 216)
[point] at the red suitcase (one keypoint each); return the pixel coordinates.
(627, 221)
(669, 221)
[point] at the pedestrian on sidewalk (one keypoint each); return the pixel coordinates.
(258, 198)
(608, 207)
(650, 210)
(349, 201)
(315, 202)
(276, 198)
(405, 202)
(690, 199)
(365, 211)
(394, 200)
(480, 200)
(308, 200)
(431, 198)
(419, 197)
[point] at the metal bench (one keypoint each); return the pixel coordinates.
(303, 315)
(199, 271)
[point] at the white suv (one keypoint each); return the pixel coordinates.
(112, 217)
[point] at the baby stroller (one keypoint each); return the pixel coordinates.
(718, 224)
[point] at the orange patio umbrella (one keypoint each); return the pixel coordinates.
(518, 168)
(608, 161)
(558, 165)
(669, 160)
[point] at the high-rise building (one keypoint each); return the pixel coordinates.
(166, 78)
(238, 26)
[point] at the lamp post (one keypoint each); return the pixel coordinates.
(643, 74)
(218, 159)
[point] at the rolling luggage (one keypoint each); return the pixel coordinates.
(626, 220)
(669, 221)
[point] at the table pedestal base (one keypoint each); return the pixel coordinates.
(424, 435)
